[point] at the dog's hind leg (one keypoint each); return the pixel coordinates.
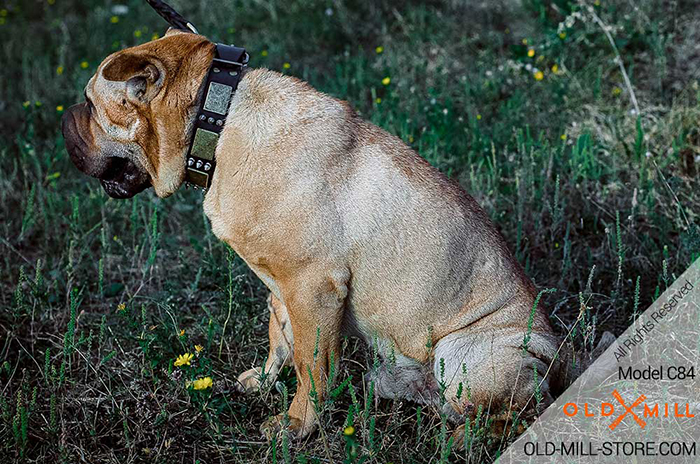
(280, 355)
(403, 378)
(490, 371)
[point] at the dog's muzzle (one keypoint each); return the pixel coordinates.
(120, 177)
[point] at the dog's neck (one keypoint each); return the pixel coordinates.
(219, 86)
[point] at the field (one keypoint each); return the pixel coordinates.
(576, 125)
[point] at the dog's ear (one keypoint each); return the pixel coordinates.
(141, 73)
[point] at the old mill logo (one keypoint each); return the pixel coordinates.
(623, 410)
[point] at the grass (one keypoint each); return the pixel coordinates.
(599, 202)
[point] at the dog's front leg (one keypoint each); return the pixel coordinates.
(315, 308)
(280, 354)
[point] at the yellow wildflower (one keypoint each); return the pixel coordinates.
(386, 81)
(555, 69)
(410, 139)
(26, 104)
(181, 333)
(531, 52)
(59, 108)
(137, 33)
(539, 75)
(198, 348)
(37, 104)
(120, 306)
(84, 64)
(114, 19)
(286, 65)
(378, 100)
(349, 430)
(379, 49)
(264, 53)
(183, 360)
(155, 36)
(563, 136)
(478, 116)
(59, 70)
(597, 3)
(202, 384)
(524, 41)
(562, 35)
(616, 91)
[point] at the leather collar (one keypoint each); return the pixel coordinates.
(220, 85)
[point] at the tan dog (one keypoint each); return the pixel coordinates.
(351, 230)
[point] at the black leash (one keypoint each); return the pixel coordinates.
(173, 18)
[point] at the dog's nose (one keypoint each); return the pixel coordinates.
(75, 141)
(71, 137)
(65, 121)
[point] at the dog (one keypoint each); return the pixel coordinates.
(350, 229)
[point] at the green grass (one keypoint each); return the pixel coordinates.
(598, 203)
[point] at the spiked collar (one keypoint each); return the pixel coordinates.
(220, 85)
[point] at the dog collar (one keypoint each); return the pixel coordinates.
(220, 86)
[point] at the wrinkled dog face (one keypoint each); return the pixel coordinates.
(133, 130)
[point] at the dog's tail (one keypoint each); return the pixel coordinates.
(572, 363)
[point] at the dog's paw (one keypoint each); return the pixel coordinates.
(274, 426)
(249, 381)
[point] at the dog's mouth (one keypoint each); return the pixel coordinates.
(122, 178)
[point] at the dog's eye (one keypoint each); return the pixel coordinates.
(123, 101)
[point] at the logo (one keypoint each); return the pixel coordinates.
(628, 410)
(607, 409)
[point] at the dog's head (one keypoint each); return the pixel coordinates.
(133, 129)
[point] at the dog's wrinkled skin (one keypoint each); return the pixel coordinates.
(350, 229)
(132, 132)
